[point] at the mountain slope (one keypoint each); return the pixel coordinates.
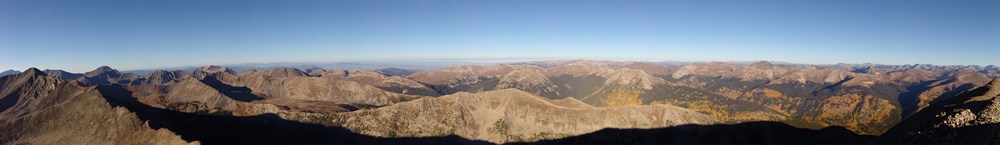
(38, 109)
(501, 116)
(972, 117)
(9, 72)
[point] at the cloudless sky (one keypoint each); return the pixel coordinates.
(80, 35)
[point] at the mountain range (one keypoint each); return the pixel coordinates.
(542, 102)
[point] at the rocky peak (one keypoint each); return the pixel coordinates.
(33, 72)
(104, 68)
(103, 71)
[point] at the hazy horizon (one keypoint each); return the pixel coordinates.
(440, 63)
(79, 36)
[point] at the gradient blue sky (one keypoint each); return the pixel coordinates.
(80, 35)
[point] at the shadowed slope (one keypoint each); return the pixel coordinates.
(752, 133)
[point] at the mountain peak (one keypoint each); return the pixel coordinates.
(33, 71)
(104, 68)
(215, 69)
(101, 70)
(9, 72)
(761, 64)
(284, 72)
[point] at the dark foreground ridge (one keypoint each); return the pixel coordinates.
(260, 129)
(751, 133)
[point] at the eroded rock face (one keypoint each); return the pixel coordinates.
(38, 109)
(501, 116)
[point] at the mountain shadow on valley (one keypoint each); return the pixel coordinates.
(910, 98)
(260, 129)
(751, 133)
(236, 93)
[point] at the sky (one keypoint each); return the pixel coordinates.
(80, 35)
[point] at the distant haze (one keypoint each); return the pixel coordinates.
(79, 36)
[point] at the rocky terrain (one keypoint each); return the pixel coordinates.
(547, 102)
(972, 117)
(37, 109)
(809, 96)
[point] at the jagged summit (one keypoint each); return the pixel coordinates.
(33, 71)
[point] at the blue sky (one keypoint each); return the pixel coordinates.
(80, 35)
